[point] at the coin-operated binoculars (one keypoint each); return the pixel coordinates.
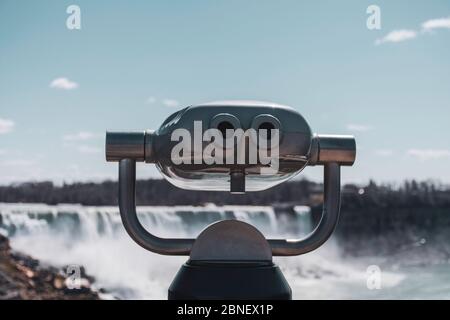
(237, 147)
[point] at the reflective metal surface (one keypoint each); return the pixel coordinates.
(293, 146)
(127, 206)
(327, 223)
(298, 147)
(231, 240)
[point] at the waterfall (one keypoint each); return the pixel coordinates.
(90, 223)
(94, 237)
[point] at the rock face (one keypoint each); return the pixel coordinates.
(24, 278)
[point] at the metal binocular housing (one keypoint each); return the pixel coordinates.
(231, 146)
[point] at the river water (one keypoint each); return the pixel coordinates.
(93, 237)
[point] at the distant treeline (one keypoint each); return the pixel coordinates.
(410, 194)
(151, 192)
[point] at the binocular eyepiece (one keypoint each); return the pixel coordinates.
(235, 146)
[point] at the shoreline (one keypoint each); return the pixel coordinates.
(24, 278)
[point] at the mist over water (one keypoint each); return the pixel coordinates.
(94, 237)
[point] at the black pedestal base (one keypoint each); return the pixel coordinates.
(231, 280)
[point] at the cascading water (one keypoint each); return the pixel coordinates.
(90, 223)
(94, 237)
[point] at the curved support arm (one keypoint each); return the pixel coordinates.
(127, 206)
(280, 247)
(328, 221)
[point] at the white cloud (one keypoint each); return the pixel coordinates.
(384, 152)
(441, 23)
(429, 154)
(74, 142)
(170, 103)
(358, 127)
(88, 149)
(167, 102)
(81, 136)
(63, 83)
(6, 125)
(397, 36)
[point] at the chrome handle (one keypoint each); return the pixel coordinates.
(127, 206)
(327, 223)
(280, 247)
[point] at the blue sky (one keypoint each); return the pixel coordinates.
(135, 62)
